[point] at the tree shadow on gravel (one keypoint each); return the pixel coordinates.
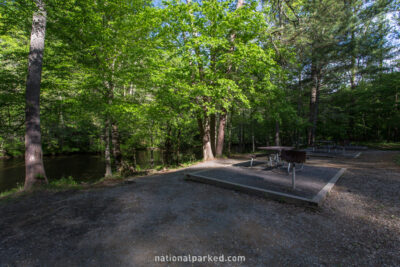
(129, 225)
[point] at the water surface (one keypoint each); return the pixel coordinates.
(82, 167)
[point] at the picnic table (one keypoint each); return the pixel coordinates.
(277, 150)
(288, 154)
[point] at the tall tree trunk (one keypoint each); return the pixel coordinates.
(204, 128)
(230, 133)
(315, 121)
(353, 60)
(353, 73)
(299, 108)
(221, 133)
(216, 132)
(205, 133)
(168, 147)
(134, 158)
(152, 158)
(107, 154)
(116, 146)
(242, 134)
(178, 144)
(115, 139)
(313, 104)
(277, 138)
(253, 139)
(151, 150)
(300, 97)
(34, 169)
(222, 118)
(212, 131)
(267, 134)
(61, 127)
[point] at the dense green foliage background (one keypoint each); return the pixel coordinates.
(153, 70)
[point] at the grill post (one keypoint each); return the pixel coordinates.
(294, 176)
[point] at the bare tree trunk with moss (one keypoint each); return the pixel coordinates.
(107, 154)
(34, 168)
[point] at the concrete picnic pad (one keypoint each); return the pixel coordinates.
(312, 182)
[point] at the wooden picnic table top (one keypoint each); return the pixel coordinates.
(276, 148)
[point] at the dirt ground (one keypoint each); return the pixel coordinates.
(130, 224)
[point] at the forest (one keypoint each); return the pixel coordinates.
(194, 77)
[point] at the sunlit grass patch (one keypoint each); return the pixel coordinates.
(12, 191)
(63, 183)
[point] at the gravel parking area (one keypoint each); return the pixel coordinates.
(130, 224)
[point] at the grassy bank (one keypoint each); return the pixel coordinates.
(70, 183)
(54, 185)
